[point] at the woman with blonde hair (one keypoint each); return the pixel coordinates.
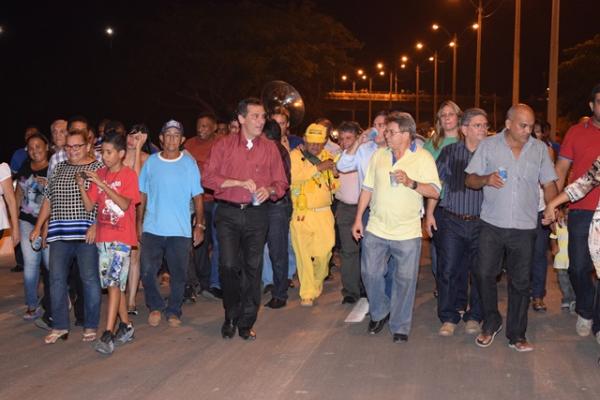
(446, 132)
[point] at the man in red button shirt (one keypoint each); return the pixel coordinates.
(244, 170)
(579, 149)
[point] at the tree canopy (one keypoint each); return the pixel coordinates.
(227, 51)
(578, 74)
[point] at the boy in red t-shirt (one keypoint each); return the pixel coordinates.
(115, 191)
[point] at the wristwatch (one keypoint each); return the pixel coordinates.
(414, 185)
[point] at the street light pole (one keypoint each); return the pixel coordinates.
(517, 54)
(454, 65)
(417, 95)
(478, 60)
(553, 70)
(435, 83)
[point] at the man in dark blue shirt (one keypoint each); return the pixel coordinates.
(457, 228)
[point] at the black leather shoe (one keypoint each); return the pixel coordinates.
(17, 268)
(400, 338)
(348, 300)
(215, 291)
(247, 333)
(276, 303)
(228, 329)
(376, 326)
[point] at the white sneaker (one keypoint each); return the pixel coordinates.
(583, 327)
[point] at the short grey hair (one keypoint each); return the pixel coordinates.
(405, 122)
(471, 113)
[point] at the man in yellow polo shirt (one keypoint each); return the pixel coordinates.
(397, 179)
(312, 226)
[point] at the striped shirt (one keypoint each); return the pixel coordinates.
(458, 198)
(68, 218)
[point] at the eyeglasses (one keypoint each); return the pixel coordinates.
(391, 132)
(479, 126)
(74, 146)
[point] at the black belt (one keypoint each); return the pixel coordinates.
(241, 206)
(463, 217)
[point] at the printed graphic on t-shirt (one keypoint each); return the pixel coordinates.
(33, 195)
(110, 212)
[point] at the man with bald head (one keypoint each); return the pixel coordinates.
(509, 168)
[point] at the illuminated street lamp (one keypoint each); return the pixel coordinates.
(434, 60)
(110, 32)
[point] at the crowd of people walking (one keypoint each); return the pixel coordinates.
(243, 206)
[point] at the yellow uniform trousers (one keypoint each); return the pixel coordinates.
(313, 237)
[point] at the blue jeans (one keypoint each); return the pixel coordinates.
(581, 268)
(202, 269)
(539, 266)
(176, 250)
(62, 255)
(277, 244)
(31, 265)
(457, 243)
(267, 274)
(390, 260)
(374, 262)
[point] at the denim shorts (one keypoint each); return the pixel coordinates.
(113, 263)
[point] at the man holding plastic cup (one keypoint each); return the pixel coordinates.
(244, 170)
(509, 167)
(394, 231)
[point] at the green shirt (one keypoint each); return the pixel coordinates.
(436, 152)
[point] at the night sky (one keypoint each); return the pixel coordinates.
(54, 52)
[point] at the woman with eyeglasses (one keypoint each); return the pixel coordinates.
(71, 234)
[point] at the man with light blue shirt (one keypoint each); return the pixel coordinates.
(509, 167)
(169, 181)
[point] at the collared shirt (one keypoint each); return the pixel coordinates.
(358, 161)
(458, 198)
(581, 146)
(444, 142)
(199, 149)
(395, 210)
(349, 189)
(230, 158)
(515, 205)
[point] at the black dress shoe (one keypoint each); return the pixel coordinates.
(17, 268)
(376, 326)
(228, 329)
(247, 333)
(215, 291)
(276, 303)
(348, 300)
(400, 338)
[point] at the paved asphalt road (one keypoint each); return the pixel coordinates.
(300, 353)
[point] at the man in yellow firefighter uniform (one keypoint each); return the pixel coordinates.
(312, 226)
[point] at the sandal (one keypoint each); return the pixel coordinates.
(132, 311)
(88, 336)
(55, 335)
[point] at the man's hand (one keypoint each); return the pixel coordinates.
(402, 177)
(249, 185)
(549, 216)
(494, 180)
(325, 165)
(262, 194)
(357, 230)
(198, 235)
(429, 224)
